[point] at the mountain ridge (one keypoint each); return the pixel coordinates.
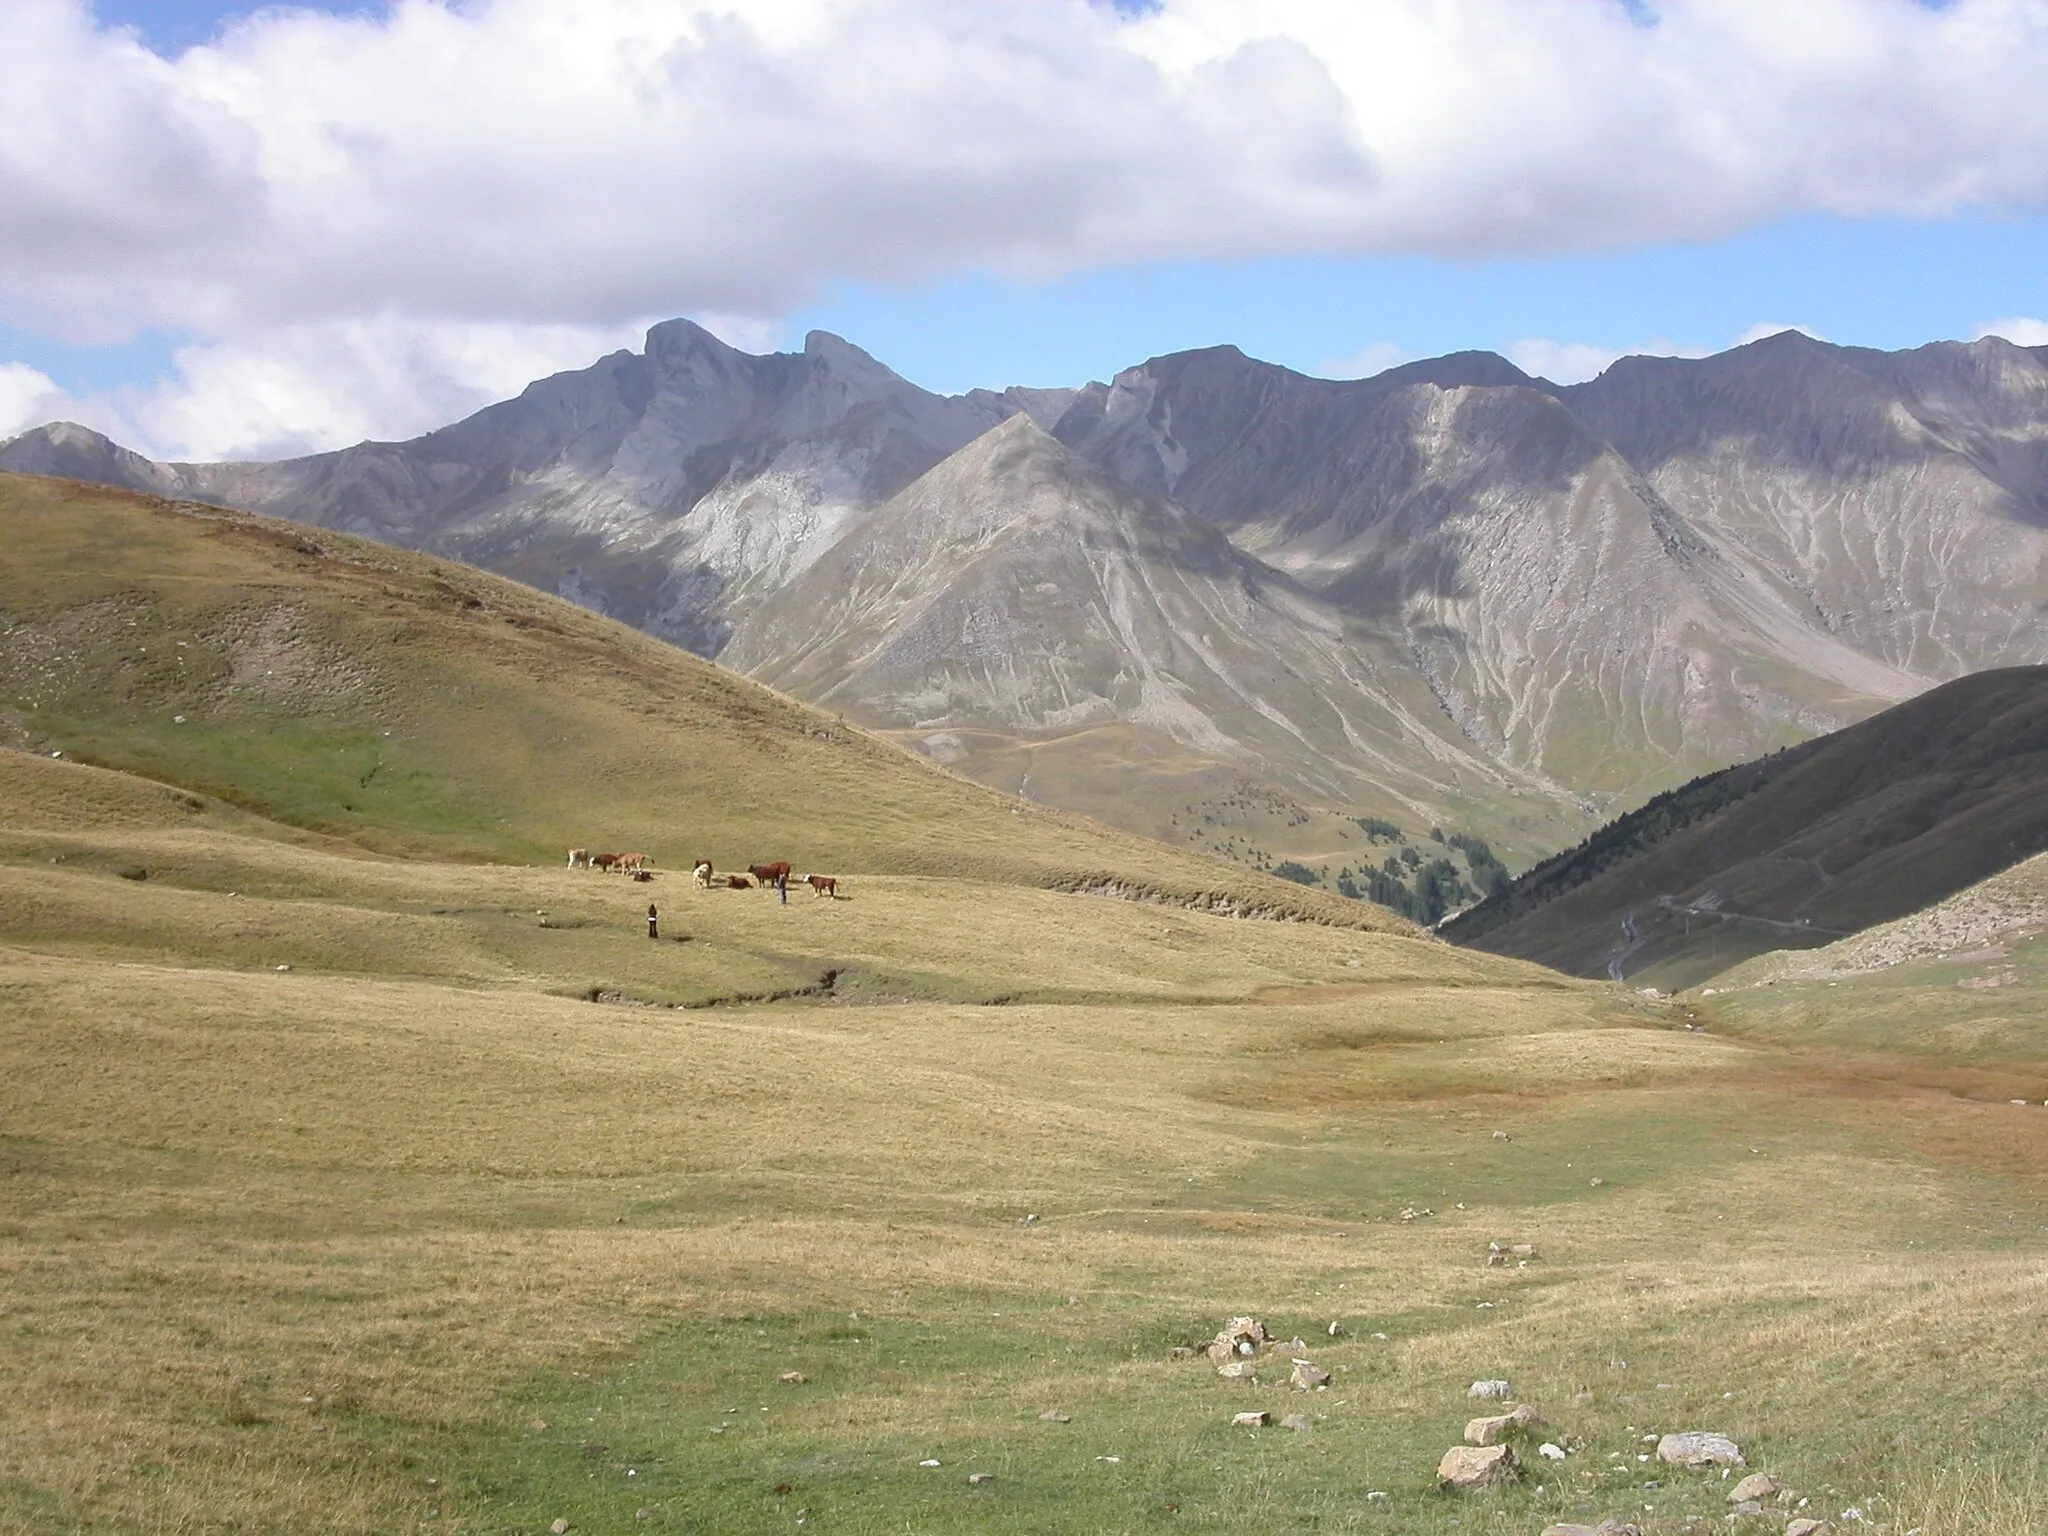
(1592, 592)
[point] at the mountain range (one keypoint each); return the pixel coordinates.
(1226, 603)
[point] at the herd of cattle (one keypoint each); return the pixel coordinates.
(768, 877)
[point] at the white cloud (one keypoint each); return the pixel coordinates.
(490, 186)
(27, 399)
(1574, 362)
(1374, 357)
(304, 388)
(297, 389)
(531, 160)
(2018, 330)
(1561, 362)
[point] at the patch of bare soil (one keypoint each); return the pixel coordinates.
(275, 657)
(42, 658)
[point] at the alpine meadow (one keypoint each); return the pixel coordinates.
(367, 1169)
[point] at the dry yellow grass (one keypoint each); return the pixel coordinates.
(314, 1250)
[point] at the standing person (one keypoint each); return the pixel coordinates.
(653, 922)
(782, 886)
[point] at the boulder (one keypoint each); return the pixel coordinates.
(1470, 1466)
(978, 1478)
(1308, 1376)
(1496, 1428)
(1806, 1528)
(1758, 1486)
(792, 1378)
(1699, 1448)
(1604, 1528)
(1238, 1370)
(1258, 1418)
(1054, 1416)
(1497, 1391)
(1550, 1452)
(1298, 1422)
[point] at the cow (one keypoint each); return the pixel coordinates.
(769, 874)
(643, 874)
(578, 856)
(633, 863)
(702, 874)
(604, 861)
(823, 885)
(737, 882)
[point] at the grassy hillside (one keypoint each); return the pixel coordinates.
(413, 705)
(1799, 848)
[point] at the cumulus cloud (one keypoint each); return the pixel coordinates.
(1574, 362)
(535, 160)
(302, 388)
(1374, 357)
(27, 398)
(2018, 330)
(307, 387)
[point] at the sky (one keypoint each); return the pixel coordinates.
(230, 231)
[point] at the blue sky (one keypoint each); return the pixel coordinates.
(1285, 204)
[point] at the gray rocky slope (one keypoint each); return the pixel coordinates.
(1502, 602)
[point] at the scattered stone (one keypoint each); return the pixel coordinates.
(793, 1378)
(1502, 1136)
(1598, 1182)
(1240, 1336)
(928, 1463)
(1604, 1528)
(1336, 1330)
(538, 1425)
(1745, 1509)
(1698, 1448)
(1300, 1423)
(1183, 1352)
(284, 967)
(1496, 1391)
(643, 1514)
(1758, 1486)
(1258, 1418)
(560, 1528)
(1054, 1416)
(1308, 1376)
(1238, 1370)
(978, 1478)
(1550, 1452)
(1493, 1430)
(1806, 1528)
(1469, 1466)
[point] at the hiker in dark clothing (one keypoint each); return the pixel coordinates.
(653, 920)
(782, 886)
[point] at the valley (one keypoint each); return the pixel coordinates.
(364, 1168)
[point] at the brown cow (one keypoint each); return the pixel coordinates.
(769, 874)
(633, 863)
(738, 882)
(823, 885)
(605, 861)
